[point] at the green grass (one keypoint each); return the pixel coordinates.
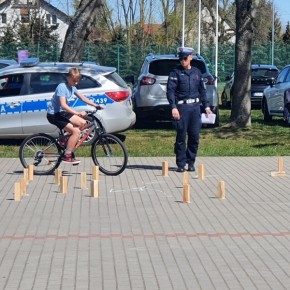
(262, 139)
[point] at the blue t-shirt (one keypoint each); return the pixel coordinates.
(62, 90)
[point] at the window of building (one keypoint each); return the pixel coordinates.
(54, 19)
(4, 18)
(48, 18)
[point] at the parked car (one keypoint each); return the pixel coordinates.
(27, 88)
(262, 76)
(7, 62)
(276, 97)
(149, 92)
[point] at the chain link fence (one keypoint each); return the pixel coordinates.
(128, 59)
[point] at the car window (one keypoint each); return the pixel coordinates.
(45, 82)
(163, 67)
(288, 76)
(3, 65)
(11, 85)
(115, 78)
(282, 75)
(264, 73)
(87, 83)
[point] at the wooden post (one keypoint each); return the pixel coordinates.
(185, 178)
(165, 168)
(280, 171)
(186, 193)
(96, 172)
(221, 194)
(23, 186)
(26, 176)
(95, 188)
(63, 184)
(17, 191)
(58, 174)
(30, 172)
(201, 174)
(280, 165)
(84, 180)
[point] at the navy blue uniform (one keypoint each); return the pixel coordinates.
(186, 91)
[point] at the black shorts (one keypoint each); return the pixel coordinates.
(60, 119)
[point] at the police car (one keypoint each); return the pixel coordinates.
(26, 88)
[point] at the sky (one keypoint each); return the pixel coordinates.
(282, 7)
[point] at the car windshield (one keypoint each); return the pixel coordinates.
(264, 73)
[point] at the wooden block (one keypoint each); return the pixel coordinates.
(165, 168)
(17, 191)
(58, 174)
(84, 180)
(186, 193)
(201, 173)
(30, 172)
(25, 176)
(95, 188)
(185, 178)
(23, 186)
(221, 194)
(280, 165)
(276, 174)
(96, 172)
(63, 184)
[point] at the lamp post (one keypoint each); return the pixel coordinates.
(199, 26)
(273, 31)
(217, 40)
(183, 22)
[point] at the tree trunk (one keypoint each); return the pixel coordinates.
(241, 91)
(79, 29)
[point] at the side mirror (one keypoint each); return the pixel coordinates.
(129, 79)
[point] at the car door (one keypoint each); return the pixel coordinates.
(276, 93)
(41, 88)
(12, 94)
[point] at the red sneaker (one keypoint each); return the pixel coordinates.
(70, 159)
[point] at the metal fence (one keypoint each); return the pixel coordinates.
(128, 59)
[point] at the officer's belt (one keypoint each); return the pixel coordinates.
(188, 101)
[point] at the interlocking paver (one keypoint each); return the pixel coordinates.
(139, 235)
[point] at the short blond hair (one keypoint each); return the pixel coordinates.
(74, 73)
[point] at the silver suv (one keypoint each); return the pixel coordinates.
(149, 93)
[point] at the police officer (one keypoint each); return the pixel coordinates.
(185, 93)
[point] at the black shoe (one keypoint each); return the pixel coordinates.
(191, 168)
(180, 169)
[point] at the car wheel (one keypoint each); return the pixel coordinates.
(267, 116)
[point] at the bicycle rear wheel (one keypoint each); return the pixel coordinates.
(110, 154)
(42, 151)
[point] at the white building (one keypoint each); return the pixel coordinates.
(18, 10)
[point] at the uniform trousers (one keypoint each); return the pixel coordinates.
(190, 125)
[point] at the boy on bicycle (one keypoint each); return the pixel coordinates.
(59, 113)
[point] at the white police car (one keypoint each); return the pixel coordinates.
(27, 88)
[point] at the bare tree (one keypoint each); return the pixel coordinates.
(79, 29)
(241, 103)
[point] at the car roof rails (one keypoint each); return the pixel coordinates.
(29, 62)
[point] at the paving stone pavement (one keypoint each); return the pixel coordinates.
(140, 235)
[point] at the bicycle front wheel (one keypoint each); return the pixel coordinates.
(42, 151)
(110, 154)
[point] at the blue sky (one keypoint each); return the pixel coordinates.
(283, 9)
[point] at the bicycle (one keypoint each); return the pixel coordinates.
(45, 152)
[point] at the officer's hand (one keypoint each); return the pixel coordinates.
(175, 114)
(208, 111)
